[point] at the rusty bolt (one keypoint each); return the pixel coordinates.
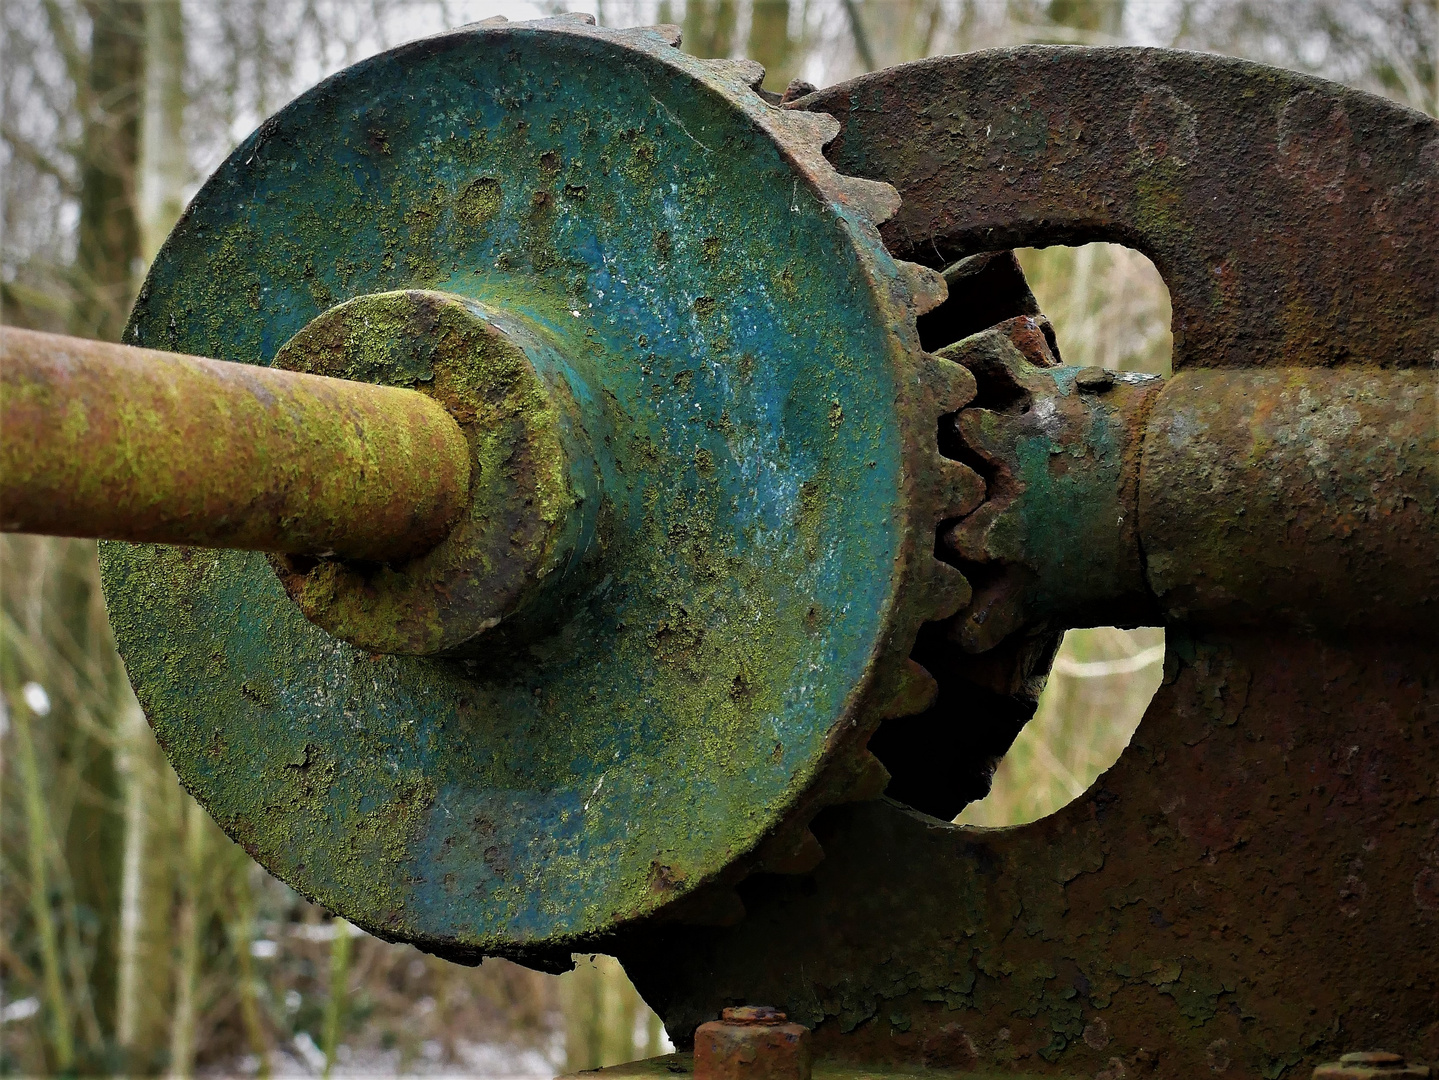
(797, 89)
(1094, 380)
(1372, 1065)
(754, 1042)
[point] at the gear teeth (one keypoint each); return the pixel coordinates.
(493, 20)
(914, 692)
(949, 385)
(815, 130)
(965, 489)
(875, 200)
(748, 72)
(946, 592)
(790, 851)
(986, 433)
(926, 286)
(669, 33)
(969, 539)
(993, 615)
(868, 779)
(583, 17)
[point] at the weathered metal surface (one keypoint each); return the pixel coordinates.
(1292, 218)
(738, 508)
(768, 491)
(111, 441)
(942, 757)
(1056, 542)
(1252, 889)
(1301, 497)
(668, 1066)
(1372, 1065)
(984, 290)
(752, 1043)
(1297, 497)
(519, 551)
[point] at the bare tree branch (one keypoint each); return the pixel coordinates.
(861, 39)
(25, 150)
(77, 64)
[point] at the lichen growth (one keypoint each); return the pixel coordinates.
(735, 587)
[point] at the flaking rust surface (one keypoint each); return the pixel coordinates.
(1295, 497)
(1252, 889)
(1293, 219)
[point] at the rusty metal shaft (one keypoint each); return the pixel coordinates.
(122, 443)
(1296, 497)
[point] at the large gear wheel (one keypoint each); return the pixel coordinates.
(743, 364)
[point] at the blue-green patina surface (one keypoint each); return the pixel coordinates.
(724, 322)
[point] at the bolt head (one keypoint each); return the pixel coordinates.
(752, 1043)
(1094, 380)
(753, 1014)
(1372, 1065)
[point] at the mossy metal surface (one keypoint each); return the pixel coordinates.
(1058, 534)
(1253, 888)
(673, 236)
(682, 1064)
(520, 548)
(105, 440)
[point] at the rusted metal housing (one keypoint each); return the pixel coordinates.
(1293, 219)
(1253, 888)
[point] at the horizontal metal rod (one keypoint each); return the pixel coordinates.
(1301, 496)
(110, 441)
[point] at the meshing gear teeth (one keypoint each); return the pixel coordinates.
(948, 490)
(953, 491)
(704, 282)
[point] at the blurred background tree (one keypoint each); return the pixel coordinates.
(135, 938)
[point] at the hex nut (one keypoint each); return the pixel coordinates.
(752, 1043)
(1094, 380)
(1372, 1065)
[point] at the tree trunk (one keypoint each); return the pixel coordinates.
(109, 235)
(108, 248)
(188, 929)
(164, 166)
(770, 43)
(132, 733)
(709, 27)
(148, 867)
